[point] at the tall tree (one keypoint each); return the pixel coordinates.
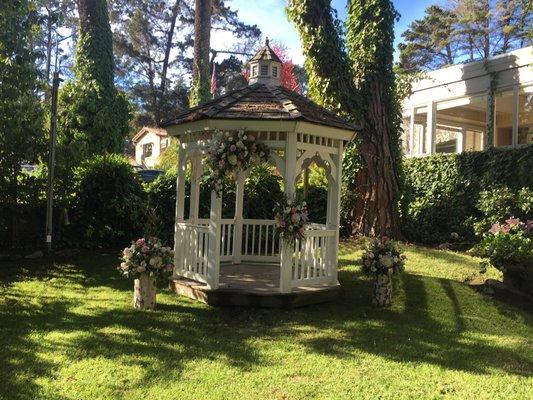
(360, 85)
(153, 40)
(20, 114)
(431, 41)
(466, 30)
(94, 116)
(201, 69)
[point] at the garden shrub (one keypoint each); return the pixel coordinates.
(109, 202)
(441, 193)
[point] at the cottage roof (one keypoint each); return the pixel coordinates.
(148, 129)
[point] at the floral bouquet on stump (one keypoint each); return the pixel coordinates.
(144, 260)
(291, 219)
(381, 260)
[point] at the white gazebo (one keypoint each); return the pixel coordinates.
(241, 261)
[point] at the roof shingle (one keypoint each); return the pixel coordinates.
(259, 101)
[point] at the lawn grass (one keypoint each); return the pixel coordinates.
(68, 331)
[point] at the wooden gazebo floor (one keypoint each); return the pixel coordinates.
(255, 285)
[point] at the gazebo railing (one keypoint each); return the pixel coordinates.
(311, 261)
(192, 251)
(259, 242)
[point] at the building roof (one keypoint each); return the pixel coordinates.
(261, 102)
(265, 54)
(147, 129)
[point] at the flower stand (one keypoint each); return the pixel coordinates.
(144, 292)
(382, 295)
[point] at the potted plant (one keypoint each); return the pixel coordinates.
(144, 261)
(509, 248)
(381, 260)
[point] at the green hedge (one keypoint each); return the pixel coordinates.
(441, 192)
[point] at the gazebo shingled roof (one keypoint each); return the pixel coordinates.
(259, 101)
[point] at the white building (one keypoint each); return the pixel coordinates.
(149, 144)
(449, 110)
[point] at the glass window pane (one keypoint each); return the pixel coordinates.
(463, 116)
(503, 114)
(525, 116)
(405, 135)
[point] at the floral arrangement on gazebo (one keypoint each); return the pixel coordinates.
(291, 219)
(228, 153)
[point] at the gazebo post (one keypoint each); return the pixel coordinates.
(180, 204)
(213, 263)
(289, 178)
(333, 212)
(239, 205)
(196, 174)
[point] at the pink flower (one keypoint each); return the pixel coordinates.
(233, 147)
(295, 218)
(494, 229)
(254, 148)
(529, 225)
(301, 231)
(140, 242)
(221, 164)
(293, 210)
(145, 249)
(282, 224)
(251, 138)
(513, 221)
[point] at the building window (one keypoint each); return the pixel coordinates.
(147, 149)
(275, 72)
(503, 119)
(525, 116)
(461, 124)
(264, 70)
(254, 70)
(419, 131)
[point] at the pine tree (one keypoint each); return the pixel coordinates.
(201, 76)
(431, 41)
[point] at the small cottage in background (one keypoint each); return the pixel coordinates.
(149, 144)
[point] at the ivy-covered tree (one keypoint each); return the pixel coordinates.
(94, 116)
(355, 78)
(21, 137)
(201, 70)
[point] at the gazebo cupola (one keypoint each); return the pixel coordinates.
(265, 67)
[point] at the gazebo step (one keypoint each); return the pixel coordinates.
(250, 297)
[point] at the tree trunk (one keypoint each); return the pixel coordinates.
(382, 293)
(375, 212)
(202, 42)
(144, 292)
(164, 69)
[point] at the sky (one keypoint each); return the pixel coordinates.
(270, 17)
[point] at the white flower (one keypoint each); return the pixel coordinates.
(124, 266)
(386, 261)
(141, 269)
(156, 262)
(143, 264)
(240, 144)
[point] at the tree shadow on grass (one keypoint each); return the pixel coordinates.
(427, 324)
(412, 333)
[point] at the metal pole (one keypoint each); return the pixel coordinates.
(51, 162)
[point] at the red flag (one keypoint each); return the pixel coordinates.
(214, 82)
